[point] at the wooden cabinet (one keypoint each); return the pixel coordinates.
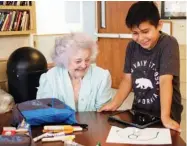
(17, 19)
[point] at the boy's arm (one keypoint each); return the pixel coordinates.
(122, 93)
(166, 92)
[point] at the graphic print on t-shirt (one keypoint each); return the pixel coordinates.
(145, 82)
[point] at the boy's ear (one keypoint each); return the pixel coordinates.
(160, 25)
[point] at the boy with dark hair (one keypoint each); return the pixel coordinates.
(151, 67)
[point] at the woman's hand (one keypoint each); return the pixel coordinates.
(171, 124)
(111, 106)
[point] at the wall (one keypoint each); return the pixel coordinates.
(58, 17)
(89, 17)
(11, 43)
(45, 43)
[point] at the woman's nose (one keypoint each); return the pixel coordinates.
(83, 64)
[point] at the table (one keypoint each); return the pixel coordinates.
(98, 129)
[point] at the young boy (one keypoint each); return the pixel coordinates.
(151, 67)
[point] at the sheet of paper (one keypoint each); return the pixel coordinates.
(132, 135)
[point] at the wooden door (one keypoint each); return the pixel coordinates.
(113, 39)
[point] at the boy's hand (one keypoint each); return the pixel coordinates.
(171, 124)
(111, 106)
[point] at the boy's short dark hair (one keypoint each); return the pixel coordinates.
(142, 11)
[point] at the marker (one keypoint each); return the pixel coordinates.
(66, 128)
(59, 138)
(71, 143)
(48, 135)
(98, 144)
(57, 131)
(40, 137)
(9, 131)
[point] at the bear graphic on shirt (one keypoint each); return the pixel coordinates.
(143, 83)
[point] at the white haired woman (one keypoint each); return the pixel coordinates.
(74, 80)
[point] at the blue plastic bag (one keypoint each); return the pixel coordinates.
(43, 111)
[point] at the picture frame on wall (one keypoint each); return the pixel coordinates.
(173, 9)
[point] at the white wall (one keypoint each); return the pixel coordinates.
(89, 17)
(57, 17)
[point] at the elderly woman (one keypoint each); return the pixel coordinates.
(74, 80)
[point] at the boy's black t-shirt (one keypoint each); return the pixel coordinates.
(146, 66)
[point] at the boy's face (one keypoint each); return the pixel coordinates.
(146, 34)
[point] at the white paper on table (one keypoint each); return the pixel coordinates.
(132, 135)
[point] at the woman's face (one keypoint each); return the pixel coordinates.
(79, 63)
